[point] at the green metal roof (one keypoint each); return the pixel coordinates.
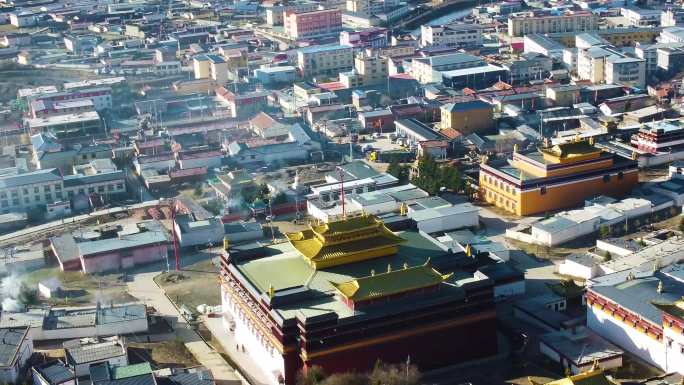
(119, 372)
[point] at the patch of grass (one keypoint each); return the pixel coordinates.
(81, 289)
(162, 354)
(196, 284)
(633, 368)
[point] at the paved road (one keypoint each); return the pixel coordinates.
(143, 287)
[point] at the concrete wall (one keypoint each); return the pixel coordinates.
(270, 360)
(626, 337)
(574, 269)
(114, 261)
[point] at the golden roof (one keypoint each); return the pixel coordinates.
(391, 282)
(675, 308)
(346, 240)
(578, 150)
(592, 377)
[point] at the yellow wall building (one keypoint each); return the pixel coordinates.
(555, 178)
(467, 117)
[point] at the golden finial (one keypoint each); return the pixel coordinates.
(660, 287)
(591, 140)
(389, 267)
(406, 267)
(372, 272)
(595, 366)
(226, 243)
(271, 292)
(403, 209)
(468, 250)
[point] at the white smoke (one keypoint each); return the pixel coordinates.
(11, 289)
(12, 305)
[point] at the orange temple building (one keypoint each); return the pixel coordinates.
(554, 178)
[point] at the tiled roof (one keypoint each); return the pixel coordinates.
(391, 282)
(11, 341)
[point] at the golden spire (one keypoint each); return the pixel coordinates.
(271, 291)
(403, 209)
(226, 243)
(595, 366)
(468, 250)
(591, 140)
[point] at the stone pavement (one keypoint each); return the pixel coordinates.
(143, 287)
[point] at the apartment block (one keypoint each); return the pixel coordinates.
(313, 24)
(325, 60)
(524, 23)
(460, 35)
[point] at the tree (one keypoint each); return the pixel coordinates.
(607, 257)
(394, 168)
(431, 177)
(395, 374)
(604, 232)
(347, 379)
(313, 376)
(198, 192)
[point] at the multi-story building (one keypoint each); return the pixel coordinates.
(374, 37)
(638, 17)
(242, 106)
(627, 71)
(543, 45)
(325, 60)
(210, 67)
(603, 63)
(427, 69)
(312, 24)
(552, 178)
(672, 17)
(31, 190)
(43, 107)
(101, 96)
(460, 35)
(530, 66)
(467, 117)
(67, 125)
(275, 14)
(618, 37)
(670, 59)
(524, 23)
(356, 293)
(672, 35)
(368, 70)
(370, 7)
(649, 52)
